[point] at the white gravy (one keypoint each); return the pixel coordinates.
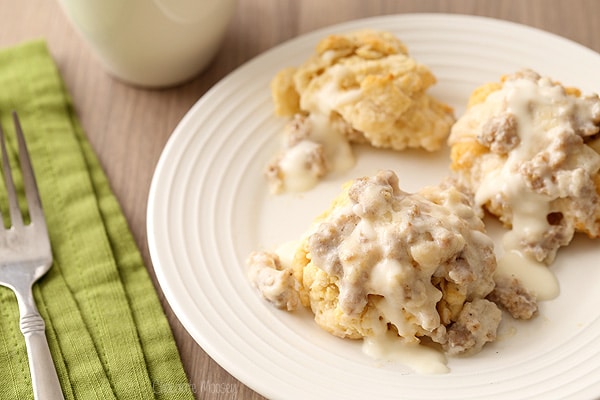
(536, 277)
(390, 347)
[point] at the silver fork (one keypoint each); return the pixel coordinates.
(25, 255)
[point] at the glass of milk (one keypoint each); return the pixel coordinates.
(152, 43)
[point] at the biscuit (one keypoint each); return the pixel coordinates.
(527, 150)
(361, 87)
(381, 259)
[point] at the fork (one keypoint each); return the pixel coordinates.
(25, 256)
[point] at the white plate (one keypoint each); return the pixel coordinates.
(209, 207)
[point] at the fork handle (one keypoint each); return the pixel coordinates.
(44, 378)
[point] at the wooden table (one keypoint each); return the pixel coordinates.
(128, 127)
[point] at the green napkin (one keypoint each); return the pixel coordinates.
(106, 329)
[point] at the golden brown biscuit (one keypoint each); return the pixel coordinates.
(527, 150)
(368, 78)
(361, 87)
(381, 259)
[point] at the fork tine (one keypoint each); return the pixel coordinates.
(15, 213)
(36, 214)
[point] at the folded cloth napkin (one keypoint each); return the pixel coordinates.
(106, 329)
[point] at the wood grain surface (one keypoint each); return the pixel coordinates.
(128, 127)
